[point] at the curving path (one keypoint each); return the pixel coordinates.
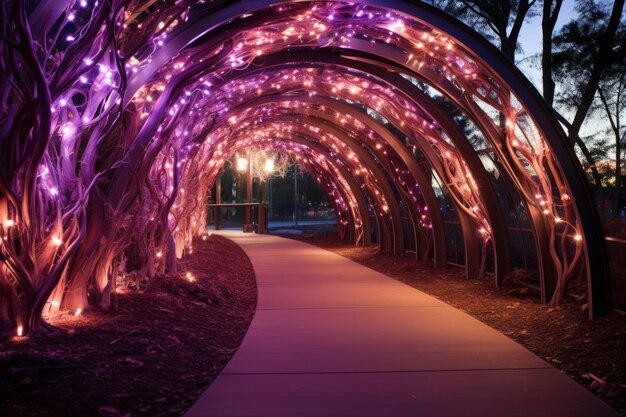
(333, 338)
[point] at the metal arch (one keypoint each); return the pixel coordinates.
(366, 158)
(482, 51)
(598, 282)
(374, 167)
(416, 171)
(354, 187)
(339, 134)
(414, 168)
(352, 184)
(327, 176)
(537, 220)
(412, 94)
(397, 242)
(409, 162)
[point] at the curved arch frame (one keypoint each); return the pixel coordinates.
(595, 252)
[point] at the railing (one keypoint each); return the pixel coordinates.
(255, 215)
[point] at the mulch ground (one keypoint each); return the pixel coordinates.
(591, 352)
(167, 341)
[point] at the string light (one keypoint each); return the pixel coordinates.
(242, 164)
(326, 24)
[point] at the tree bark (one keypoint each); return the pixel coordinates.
(600, 63)
(548, 23)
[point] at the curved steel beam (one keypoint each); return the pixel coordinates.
(502, 70)
(396, 244)
(355, 189)
(357, 237)
(339, 134)
(410, 163)
(409, 92)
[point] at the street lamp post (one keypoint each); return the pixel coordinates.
(269, 169)
(244, 165)
(295, 194)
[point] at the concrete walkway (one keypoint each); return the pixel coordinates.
(333, 338)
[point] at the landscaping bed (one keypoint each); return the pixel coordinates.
(153, 356)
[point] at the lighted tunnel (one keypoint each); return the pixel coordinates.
(424, 137)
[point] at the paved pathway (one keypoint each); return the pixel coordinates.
(333, 338)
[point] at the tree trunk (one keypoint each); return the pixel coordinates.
(548, 22)
(600, 63)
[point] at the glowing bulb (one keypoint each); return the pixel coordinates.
(159, 254)
(269, 165)
(68, 130)
(578, 237)
(190, 277)
(546, 211)
(20, 331)
(78, 311)
(71, 17)
(558, 220)
(242, 164)
(9, 223)
(56, 241)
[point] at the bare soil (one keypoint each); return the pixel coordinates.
(167, 341)
(591, 352)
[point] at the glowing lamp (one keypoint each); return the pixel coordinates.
(78, 311)
(190, 277)
(578, 237)
(20, 331)
(242, 164)
(269, 165)
(159, 254)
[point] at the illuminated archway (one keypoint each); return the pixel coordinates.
(462, 67)
(394, 106)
